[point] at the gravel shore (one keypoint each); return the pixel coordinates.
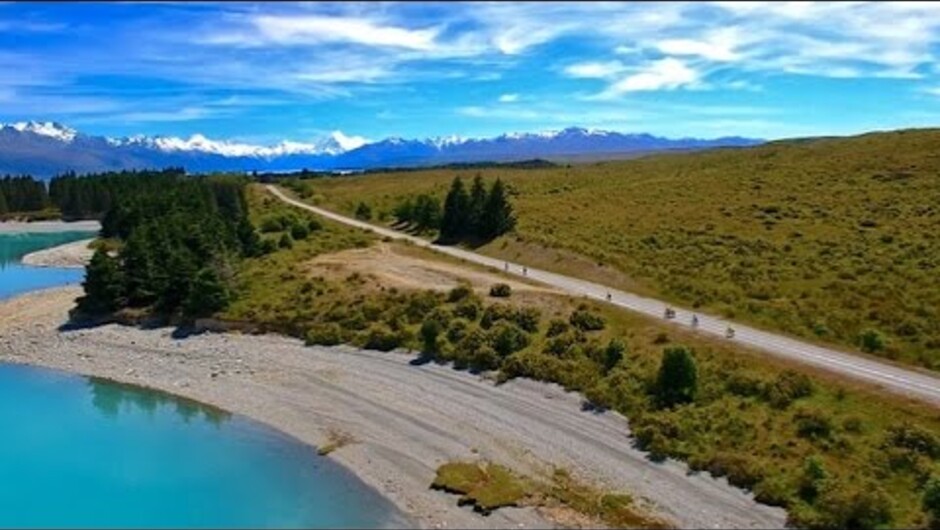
(70, 255)
(18, 227)
(404, 420)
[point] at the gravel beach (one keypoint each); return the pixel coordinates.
(404, 420)
(18, 227)
(70, 255)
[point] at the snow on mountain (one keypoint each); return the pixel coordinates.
(334, 144)
(46, 128)
(46, 148)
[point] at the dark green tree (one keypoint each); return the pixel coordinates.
(477, 207)
(456, 216)
(207, 295)
(104, 286)
(931, 501)
(498, 217)
(363, 212)
(677, 381)
(613, 354)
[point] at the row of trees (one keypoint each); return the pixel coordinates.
(180, 237)
(478, 215)
(22, 194)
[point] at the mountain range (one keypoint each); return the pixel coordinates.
(44, 149)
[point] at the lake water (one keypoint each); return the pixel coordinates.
(16, 278)
(85, 452)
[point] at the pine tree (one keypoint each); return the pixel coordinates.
(454, 223)
(498, 217)
(478, 198)
(207, 295)
(104, 286)
(3, 203)
(677, 380)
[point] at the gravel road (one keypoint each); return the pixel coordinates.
(889, 377)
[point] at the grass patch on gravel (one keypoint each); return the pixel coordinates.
(487, 487)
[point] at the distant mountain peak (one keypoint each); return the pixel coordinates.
(51, 129)
(47, 148)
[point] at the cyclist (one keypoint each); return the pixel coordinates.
(694, 321)
(525, 271)
(729, 332)
(608, 296)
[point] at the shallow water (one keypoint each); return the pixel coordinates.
(16, 278)
(84, 452)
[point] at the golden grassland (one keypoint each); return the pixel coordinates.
(828, 239)
(833, 453)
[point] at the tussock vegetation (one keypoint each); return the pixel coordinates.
(488, 486)
(834, 240)
(833, 455)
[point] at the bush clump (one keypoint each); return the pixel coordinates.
(500, 290)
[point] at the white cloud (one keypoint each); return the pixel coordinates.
(665, 74)
(366, 74)
(509, 98)
(717, 46)
(322, 29)
(595, 70)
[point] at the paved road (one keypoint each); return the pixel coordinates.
(902, 381)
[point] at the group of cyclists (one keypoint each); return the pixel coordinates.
(670, 313)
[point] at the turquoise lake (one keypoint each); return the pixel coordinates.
(84, 452)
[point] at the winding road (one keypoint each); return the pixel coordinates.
(888, 377)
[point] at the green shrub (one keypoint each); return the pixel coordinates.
(586, 320)
(813, 424)
(743, 385)
(931, 501)
(313, 225)
(430, 330)
(913, 438)
(299, 232)
(787, 387)
(556, 327)
(858, 505)
(327, 334)
(271, 224)
(677, 380)
(495, 313)
(363, 212)
(500, 290)
(468, 308)
(381, 338)
(285, 241)
(459, 293)
(872, 341)
(813, 477)
(267, 246)
(457, 330)
(506, 338)
(528, 319)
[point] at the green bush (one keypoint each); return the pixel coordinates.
(430, 330)
(586, 320)
(381, 338)
(813, 477)
(500, 290)
(556, 327)
(872, 341)
(528, 319)
(495, 313)
(285, 241)
(267, 246)
(459, 293)
(787, 387)
(363, 212)
(271, 224)
(327, 334)
(468, 308)
(931, 501)
(613, 354)
(506, 338)
(813, 424)
(457, 330)
(313, 225)
(858, 505)
(299, 231)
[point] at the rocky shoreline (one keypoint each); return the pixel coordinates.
(70, 255)
(20, 227)
(403, 421)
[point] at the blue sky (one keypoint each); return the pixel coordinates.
(261, 73)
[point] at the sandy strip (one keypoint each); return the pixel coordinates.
(405, 420)
(70, 255)
(18, 227)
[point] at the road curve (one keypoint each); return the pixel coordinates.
(888, 377)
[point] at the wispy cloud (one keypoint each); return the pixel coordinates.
(509, 98)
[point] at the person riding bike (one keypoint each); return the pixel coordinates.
(729, 332)
(694, 321)
(670, 313)
(608, 296)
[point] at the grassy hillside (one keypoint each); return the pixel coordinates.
(835, 455)
(834, 239)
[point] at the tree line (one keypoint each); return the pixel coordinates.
(179, 238)
(477, 215)
(22, 194)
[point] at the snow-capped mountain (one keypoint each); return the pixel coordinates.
(46, 148)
